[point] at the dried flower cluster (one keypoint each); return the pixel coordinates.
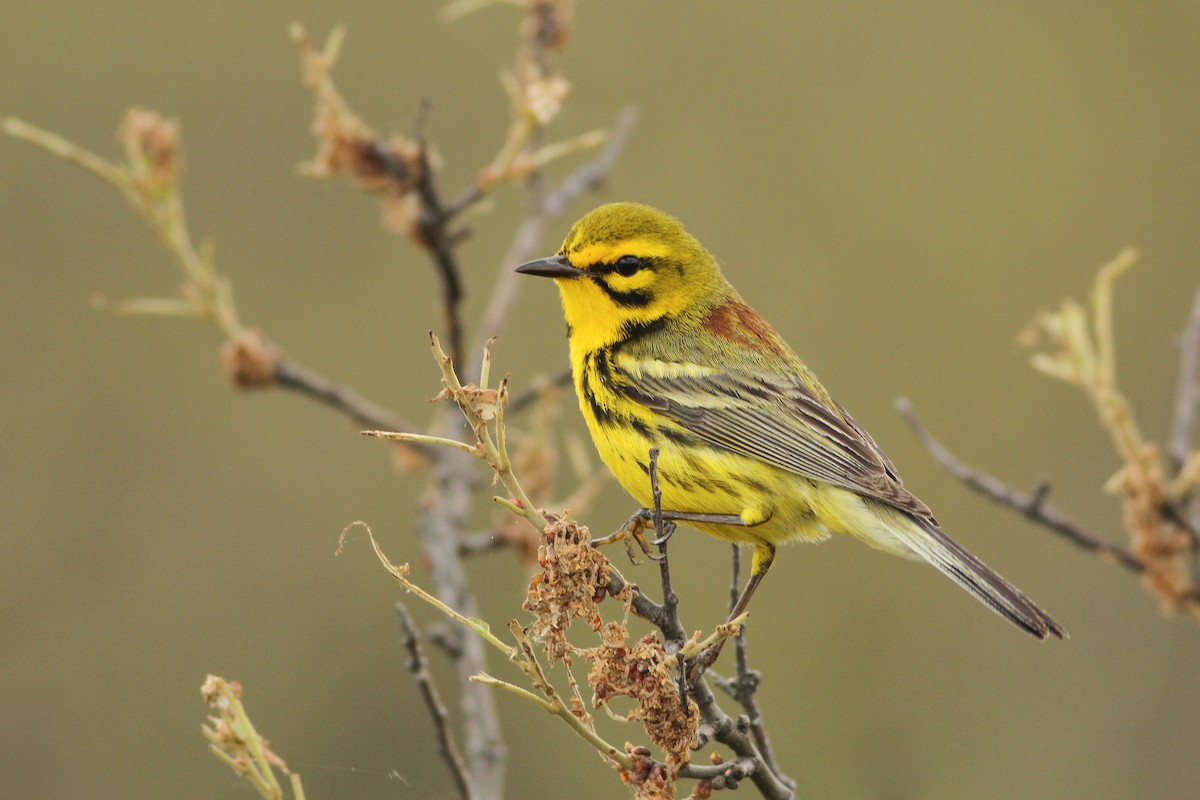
(569, 586)
(347, 146)
(643, 672)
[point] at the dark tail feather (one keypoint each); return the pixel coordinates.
(977, 578)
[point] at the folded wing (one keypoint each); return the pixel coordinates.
(774, 418)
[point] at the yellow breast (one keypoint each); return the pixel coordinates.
(694, 477)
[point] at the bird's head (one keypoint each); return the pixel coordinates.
(626, 265)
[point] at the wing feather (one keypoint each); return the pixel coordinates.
(771, 417)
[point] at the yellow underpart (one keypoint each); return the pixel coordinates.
(775, 506)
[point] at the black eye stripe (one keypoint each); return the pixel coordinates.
(634, 299)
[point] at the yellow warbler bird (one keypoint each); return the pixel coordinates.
(752, 449)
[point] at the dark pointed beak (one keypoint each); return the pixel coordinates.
(552, 267)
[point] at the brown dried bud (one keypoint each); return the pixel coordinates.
(249, 360)
(152, 147)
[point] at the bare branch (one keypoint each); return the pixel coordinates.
(740, 767)
(1031, 506)
(418, 666)
(1187, 396)
(670, 624)
(298, 378)
(439, 529)
(642, 605)
(716, 724)
(433, 222)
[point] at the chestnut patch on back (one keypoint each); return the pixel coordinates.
(741, 324)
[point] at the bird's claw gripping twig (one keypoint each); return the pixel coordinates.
(634, 530)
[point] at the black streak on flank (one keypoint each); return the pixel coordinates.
(694, 464)
(602, 414)
(603, 369)
(758, 486)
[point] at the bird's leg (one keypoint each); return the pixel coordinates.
(764, 556)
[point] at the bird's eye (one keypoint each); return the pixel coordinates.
(627, 266)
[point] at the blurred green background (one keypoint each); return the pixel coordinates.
(897, 187)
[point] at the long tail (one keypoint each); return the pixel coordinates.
(932, 544)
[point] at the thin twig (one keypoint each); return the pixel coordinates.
(434, 223)
(673, 632)
(1187, 396)
(1032, 506)
(725, 775)
(439, 529)
(491, 450)
(582, 726)
(716, 724)
(208, 295)
(418, 666)
(671, 626)
(735, 592)
(521, 655)
(233, 738)
(303, 380)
